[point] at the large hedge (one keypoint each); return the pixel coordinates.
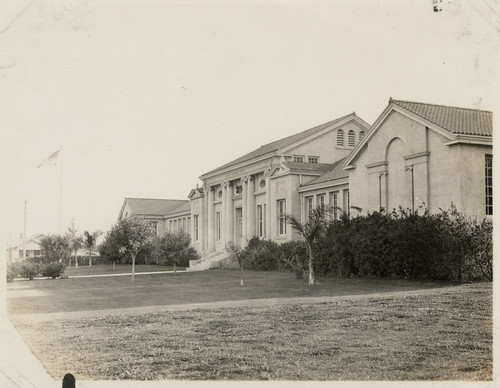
(402, 244)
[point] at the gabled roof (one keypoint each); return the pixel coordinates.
(148, 206)
(335, 172)
(36, 237)
(186, 207)
(273, 147)
(451, 122)
(457, 120)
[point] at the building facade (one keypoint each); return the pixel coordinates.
(415, 156)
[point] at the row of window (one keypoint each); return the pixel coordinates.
(351, 138)
(301, 158)
(29, 253)
(334, 202)
(180, 223)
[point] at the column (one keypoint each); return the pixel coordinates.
(251, 209)
(223, 213)
(204, 220)
(229, 214)
(211, 224)
(268, 207)
(244, 237)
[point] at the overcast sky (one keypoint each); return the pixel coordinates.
(146, 96)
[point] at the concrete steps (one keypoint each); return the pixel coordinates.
(210, 261)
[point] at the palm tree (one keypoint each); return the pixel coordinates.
(311, 230)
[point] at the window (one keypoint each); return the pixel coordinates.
(184, 221)
(196, 223)
(488, 173)
(309, 205)
(217, 225)
(334, 200)
(281, 216)
(347, 205)
(175, 225)
(340, 137)
(313, 159)
(37, 253)
(361, 135)
(297, 158)
(170, 226)
(261, 220)
(350, 138)
(321, 200)
(154, 225)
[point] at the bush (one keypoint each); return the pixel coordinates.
(53, 270)
(293, 257)
(173, 248)
(29, 270)
(261, 255)
(13, 271)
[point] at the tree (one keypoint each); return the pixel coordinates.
(173, 248)
(55, 247)
(74, 240)
(313, 229)
(130, 236)
(89, 241)
(239, 254)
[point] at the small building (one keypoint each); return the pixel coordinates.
(15, 251)
(158, 212)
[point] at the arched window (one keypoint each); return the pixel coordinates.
(350, 138)
(361, 135)
(340, 137)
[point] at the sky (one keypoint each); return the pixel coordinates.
(143, 97)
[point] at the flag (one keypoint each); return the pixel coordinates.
(51, 160)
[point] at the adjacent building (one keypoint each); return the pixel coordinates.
(415, 156)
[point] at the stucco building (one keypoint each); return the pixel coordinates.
(414, 156)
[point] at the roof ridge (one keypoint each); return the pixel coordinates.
(392, 100)
(310, 129)
(157, 199)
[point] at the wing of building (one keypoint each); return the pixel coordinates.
(415, 156)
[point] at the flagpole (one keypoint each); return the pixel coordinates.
(24, 230)
(60, 190)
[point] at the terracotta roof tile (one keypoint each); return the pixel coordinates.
(457, 120)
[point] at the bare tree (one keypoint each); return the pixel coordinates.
(74, 240)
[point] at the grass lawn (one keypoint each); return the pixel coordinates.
(444, 333)
(101, 269)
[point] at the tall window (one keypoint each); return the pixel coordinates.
(347, 204)
(313, 159)
(154, 226)
(321, 200)
(309, 205)
(488, 173)
(170, 226)
(261, 220)
(361, 135)
(350, 138)
(281, 216)
(217, 225)
(298, 158)
(196, 223)
(340, 137)
(334, 200)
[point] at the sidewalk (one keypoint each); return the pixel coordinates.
(18, 365)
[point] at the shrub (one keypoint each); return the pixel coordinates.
(53, 270)
(261, 255)
(292, 256)
(13, 271)
(29, 270)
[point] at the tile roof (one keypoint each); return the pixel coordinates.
(456, 120)
(335, 172)
(154, 206)
(303, 166)
(183, 208)
(282, 143)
